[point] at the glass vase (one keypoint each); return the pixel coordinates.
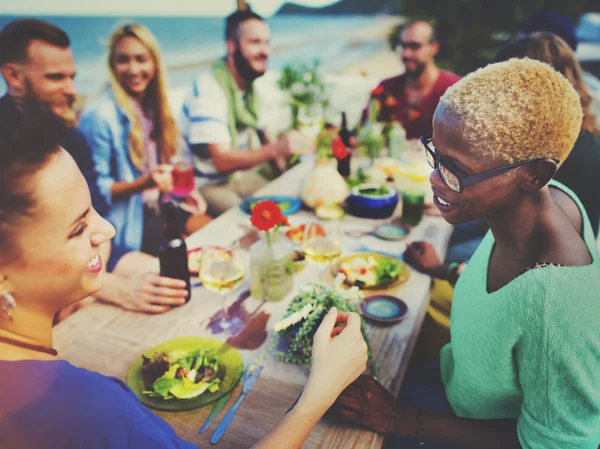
(271, 268)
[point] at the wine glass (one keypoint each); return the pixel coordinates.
(222, 271)
(322, 244)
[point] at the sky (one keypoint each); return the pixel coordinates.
(206, 8)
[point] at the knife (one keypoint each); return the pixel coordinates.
(224, 424)
(215, 411)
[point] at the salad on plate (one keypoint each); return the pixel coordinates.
(181, 374)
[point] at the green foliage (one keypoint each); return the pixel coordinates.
(299, 336)
(387, 271)
(470, 32)
(359, 177)
(304, 85)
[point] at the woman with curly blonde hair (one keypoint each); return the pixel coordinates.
(522, 369)
(133, 137)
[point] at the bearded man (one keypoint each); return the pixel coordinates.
(221, 119)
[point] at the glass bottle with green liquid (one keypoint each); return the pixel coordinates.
(396, 140)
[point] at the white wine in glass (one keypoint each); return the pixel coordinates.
(222, 276)
(322, 242)
(222, 271)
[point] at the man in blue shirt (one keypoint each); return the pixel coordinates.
(37, 64)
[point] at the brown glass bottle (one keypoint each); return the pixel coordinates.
(343, 165)
(172, 254)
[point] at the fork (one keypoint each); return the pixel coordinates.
(219, 405)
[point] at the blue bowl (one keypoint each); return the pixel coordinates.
(362, 204)
(289, 205)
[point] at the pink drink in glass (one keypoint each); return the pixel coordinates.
(183, 176)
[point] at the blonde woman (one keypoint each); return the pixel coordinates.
(133, 137)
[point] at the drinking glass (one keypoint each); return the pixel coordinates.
(322, 244)
(310, 120)
(183, 176)
(413, 182)
(222, 271)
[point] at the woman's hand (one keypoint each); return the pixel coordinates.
(339, 356)
(150, 293)
(194, 203)
(162, 178)
(423, 257)
(368, 404)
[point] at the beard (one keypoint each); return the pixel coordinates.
(50, 100)
(242, 65)
(416, 72)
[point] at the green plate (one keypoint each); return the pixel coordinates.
(230, 372)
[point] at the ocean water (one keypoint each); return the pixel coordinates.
(190, 40)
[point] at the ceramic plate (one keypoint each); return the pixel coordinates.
(358, 261)
(384, 308)
(230, 371)
(296, 233)
(288, 204)
(392, 231)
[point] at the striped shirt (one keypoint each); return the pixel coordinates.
(205, 121)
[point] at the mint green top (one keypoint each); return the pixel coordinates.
(530, 350)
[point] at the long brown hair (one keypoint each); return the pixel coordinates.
(165, 129)
(553, 50)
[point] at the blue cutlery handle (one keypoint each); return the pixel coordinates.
(224, 424)
(215, 411)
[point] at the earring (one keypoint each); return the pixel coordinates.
(7, 303)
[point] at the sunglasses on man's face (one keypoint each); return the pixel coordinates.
(456, 182)
(409, 45)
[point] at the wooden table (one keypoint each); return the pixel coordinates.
(104, 338)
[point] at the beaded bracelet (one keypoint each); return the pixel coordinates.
(420, 441)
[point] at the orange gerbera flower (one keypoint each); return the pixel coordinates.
(266, 215)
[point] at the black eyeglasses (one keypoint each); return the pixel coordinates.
(410, 45)
(456, 182)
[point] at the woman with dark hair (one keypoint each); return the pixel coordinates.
(50, 238)
(522, 369)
